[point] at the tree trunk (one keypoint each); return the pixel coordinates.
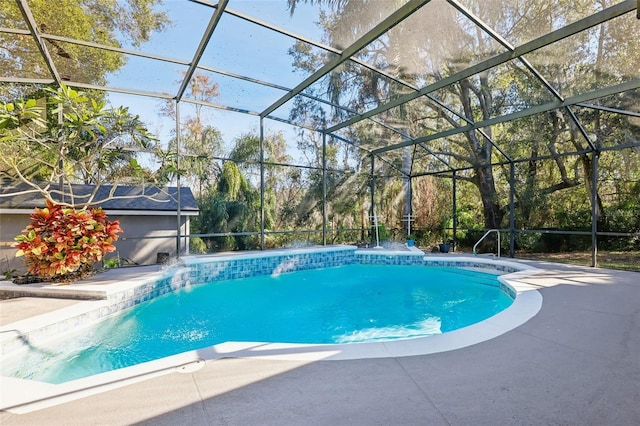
(491, 210)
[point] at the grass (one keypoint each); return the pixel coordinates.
(627, 260)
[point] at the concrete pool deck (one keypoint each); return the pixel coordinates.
(576, 362)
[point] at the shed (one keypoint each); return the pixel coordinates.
(148, 216)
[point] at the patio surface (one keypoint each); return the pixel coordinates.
(577, 362)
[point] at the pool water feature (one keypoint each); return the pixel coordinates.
(346, 304)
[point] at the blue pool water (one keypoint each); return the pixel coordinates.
(355, 303)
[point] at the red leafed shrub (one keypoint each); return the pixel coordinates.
(61, 241)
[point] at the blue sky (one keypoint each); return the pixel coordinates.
(236, 46)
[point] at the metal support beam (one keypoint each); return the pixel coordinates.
(512, 213)
(373, 190)
(35, 32)
(594, 209)
(261, 183)
(213, 22)
(116, 49)
(611, 110)
(324, 189)
(410, 202)
(455, 210)
(60, 161)
(391, 21)
(178, 213)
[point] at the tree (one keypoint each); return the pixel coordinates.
(424, 54)
(83, 148)
(111, 23)
(200, 142)
(66, 237)
(246, 152)
(230, 207)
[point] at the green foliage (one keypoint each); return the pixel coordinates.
(200, 142)
(61, 241)
(197, 245)
(97, 21)
(230, 181)
(221, 215)
(111, 263)
(383, 233)
(9, 274)
(466, 220)
(90, 145)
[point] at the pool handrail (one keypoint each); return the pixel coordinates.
(484, 236)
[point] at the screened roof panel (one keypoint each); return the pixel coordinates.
(449, 101)
(548, 135)
(100, 28)
(303, 112)
(596, 58)
(239, 124)
(371, 134)
(20, 57)
(11, 16)
(420, 117)
(289, 146)
(429, 43)
(344, 88)
(318, 110)
(303, 22)
(83, 64)
(513, 88)
(451, 152)
(389, 164)
(347, 24)
(458, 52)
(180, 38)
(244, 48)
(607, 129)
(426, 163)
(233, 92)
(522, 21)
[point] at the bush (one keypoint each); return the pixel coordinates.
(197, 245)
(61, 241)
(383, 233)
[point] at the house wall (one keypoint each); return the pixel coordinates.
(131, 244)
(135, 242)
(10, 226)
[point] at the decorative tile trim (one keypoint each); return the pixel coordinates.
(221, 268)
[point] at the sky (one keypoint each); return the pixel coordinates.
(236, 46)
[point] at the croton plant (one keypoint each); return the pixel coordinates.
(62, 241)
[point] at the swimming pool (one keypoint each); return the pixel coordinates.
(137, 288)
(345, 304)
